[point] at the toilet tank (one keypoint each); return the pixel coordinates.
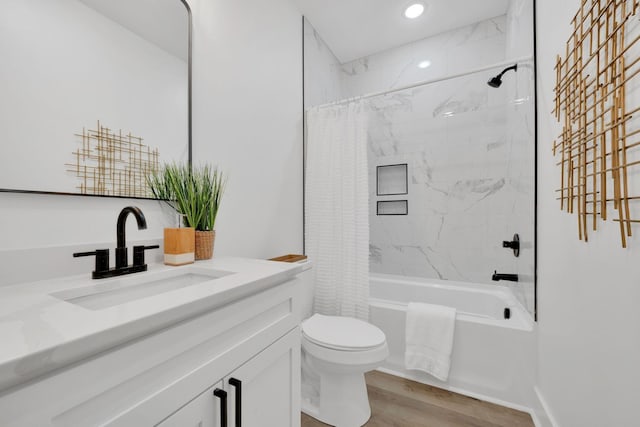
(305, 307)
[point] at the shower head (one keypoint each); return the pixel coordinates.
(497, 80)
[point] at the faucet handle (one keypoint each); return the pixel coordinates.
(513, 244)
(102, 259)
(138, 253)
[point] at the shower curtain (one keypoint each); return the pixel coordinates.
(336, 213)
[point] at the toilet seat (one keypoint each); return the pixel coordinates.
(342, 333)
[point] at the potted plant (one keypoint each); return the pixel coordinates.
(195, 193)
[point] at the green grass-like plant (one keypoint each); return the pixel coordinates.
(194, 192)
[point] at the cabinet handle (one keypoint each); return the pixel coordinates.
(222, 395)
(238, 386)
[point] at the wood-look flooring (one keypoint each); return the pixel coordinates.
(398, 402)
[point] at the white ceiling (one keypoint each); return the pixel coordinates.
(164, 23)
(357, 28)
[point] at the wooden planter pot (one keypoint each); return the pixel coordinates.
(179, 246)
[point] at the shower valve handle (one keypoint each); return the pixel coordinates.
(513, 244)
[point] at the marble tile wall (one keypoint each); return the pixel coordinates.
(469, 150)
(452, 135)
(521, 137)
(322, 70)
(459, 50)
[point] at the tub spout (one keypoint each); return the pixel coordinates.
(504, 276)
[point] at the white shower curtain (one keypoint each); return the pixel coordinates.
(337, 212)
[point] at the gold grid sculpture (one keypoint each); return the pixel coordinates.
(598, 147)
(112, 163)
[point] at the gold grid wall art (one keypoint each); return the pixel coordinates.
(112, 163)
(597, 94)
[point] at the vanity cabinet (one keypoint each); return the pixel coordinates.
(167, 378)
(203, 411)
(263, 386)
(269, 389)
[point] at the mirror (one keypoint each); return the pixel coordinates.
(95, 93)
(468, 146)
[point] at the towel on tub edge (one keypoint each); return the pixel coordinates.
(429, 338)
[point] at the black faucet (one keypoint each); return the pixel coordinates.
(102, 269)
(121, 248)
(502, 276)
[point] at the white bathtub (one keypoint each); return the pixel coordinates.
(493, 357)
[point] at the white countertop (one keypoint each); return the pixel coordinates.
(40, 332)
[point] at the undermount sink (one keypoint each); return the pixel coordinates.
(137, 286)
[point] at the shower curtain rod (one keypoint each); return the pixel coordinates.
(426, 82)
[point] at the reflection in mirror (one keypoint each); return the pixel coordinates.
(469, 147)
(116, 71)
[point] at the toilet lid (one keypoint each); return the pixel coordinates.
(342, 333)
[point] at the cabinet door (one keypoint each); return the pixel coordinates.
(267, 387)
(203, 411)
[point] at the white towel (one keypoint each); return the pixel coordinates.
(429, 338)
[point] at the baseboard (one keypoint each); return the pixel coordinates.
(543, 416)
(307, 408)
(464, 392)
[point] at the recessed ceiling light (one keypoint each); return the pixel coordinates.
(414, 10)
(424, 64)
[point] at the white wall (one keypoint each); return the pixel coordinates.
(588, 293)
(247, 118)
(41, 232)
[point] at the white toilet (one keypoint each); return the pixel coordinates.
(337, 351)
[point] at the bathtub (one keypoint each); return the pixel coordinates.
(493, 357)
